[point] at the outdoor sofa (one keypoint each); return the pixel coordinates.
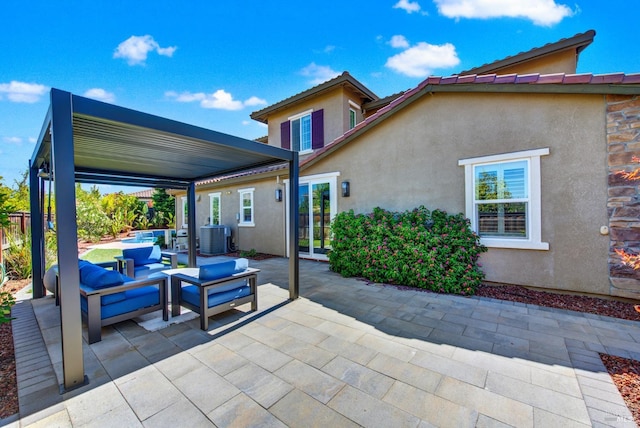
(108, 297)
(219, 287)
(143, 261)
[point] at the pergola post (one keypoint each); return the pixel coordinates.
(62, 154)
(191, 223)
(37, 233)
(294, 230)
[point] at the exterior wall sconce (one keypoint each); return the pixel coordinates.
(346, 189)
(278, 195)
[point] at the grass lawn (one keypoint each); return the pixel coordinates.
(99, 255)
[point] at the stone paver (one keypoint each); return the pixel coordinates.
(345, 354)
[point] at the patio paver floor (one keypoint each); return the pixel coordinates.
(345, 354)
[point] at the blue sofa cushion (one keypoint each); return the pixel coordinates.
(143, 255)
(223, 269)
(146, 269)
(133, 300)
(191, 293)
(110, 299)
(98, 277)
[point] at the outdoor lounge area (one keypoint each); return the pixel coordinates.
(347, 353)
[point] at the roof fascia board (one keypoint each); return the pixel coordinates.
(550, 88)
(99, 110)
(340, 81)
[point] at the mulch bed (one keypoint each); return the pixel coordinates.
(626, 375)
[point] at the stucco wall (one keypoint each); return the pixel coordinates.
(336, 114)
(267, 236)
(559, 62)
(412, 158)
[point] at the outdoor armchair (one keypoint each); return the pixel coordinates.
(219, 287)
(108, 297)
(143, 261)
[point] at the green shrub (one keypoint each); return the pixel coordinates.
(18, 256)
(418, 248)
(6, 302)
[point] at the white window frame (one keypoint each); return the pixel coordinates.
(534, 211)
(212, 196)
(184, 212)
(242, 222)
(355, 108)
(296, 117)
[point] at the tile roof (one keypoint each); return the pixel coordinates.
(569, 83)
(143, 194)
(578, 42)
(541, 83)
(247, 173)
(343, 79)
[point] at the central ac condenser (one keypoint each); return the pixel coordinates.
(213, 239)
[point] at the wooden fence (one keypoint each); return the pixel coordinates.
(20, 224)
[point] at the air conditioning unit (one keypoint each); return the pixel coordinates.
(213, 239)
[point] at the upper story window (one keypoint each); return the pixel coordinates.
(303, 132)
(353, 118)
(503, 199)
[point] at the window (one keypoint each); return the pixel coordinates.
(214, 208)
(352, 118)
(246, 207)
(502, 195)
(184, 212)
(301, 133)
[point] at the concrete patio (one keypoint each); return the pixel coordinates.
(347, 353)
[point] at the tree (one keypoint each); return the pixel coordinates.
(164, 208)
(6, 206)
(20, 194)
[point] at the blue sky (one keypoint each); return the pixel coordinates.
(211, 62)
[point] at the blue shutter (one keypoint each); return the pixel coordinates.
(317, 129)
(285, 135)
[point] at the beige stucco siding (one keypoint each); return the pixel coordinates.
(412, 159)
(267, 236)
(336, 114)
(559, 62)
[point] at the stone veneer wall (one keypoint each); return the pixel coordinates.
(623, 205)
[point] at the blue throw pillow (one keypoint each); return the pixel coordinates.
(139, 255)
(223, 269)
(98, 277)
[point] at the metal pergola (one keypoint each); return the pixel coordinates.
(88, 141)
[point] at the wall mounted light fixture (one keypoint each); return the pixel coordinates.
(278, 195)
(346, 189)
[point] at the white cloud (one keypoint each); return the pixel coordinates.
(408, 6)
(13, 140)
(421, 59)
(32, 140)
(100, 95)
(21, 92)
(136, 48)
(399, 41)
(318, 73)
(220, 99)
(255, 101)
(541, 12)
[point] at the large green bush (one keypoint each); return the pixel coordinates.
(418, 248)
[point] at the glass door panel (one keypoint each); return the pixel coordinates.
(321, 198)
(303, 220)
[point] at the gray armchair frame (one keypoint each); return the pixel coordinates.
(93, 316)
(203, 309)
